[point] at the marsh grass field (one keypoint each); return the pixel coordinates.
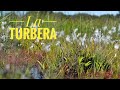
(87, 47)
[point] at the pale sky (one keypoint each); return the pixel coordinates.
(90, 12)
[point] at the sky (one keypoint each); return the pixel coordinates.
(88, 12)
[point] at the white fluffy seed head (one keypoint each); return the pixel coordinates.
(116, 46)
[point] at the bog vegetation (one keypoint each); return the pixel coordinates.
(87, 47)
